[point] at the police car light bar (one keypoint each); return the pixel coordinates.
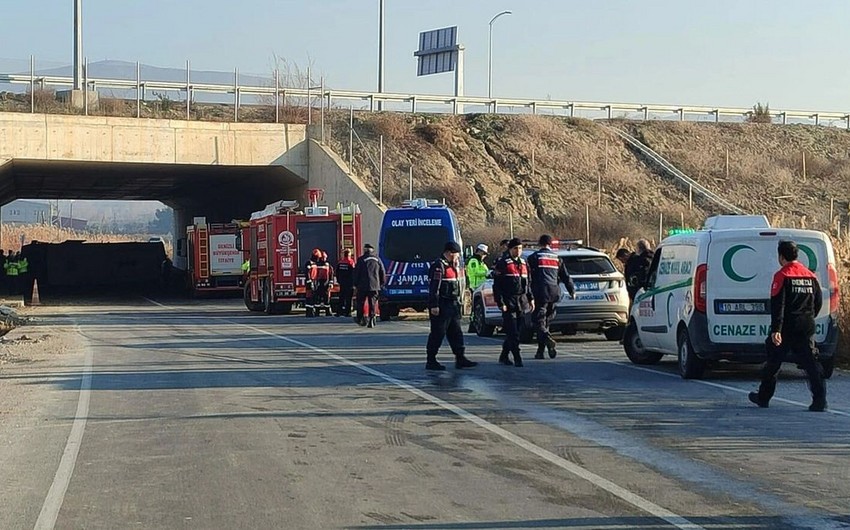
(420, 203)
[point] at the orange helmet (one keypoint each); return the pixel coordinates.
(317, 253)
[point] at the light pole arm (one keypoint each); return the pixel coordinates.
(490, 54)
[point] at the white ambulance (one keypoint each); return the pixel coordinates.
(707, 295)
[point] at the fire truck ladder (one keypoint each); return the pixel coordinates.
(203, 253)
(347, 224)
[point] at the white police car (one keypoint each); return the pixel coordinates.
(601, 304)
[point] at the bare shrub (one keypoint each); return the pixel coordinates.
(760, 114)
(113, 107)
(393, 127)
(436, 134)
(45, 101)
(458, 195)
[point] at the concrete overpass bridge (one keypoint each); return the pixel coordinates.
(222, 171)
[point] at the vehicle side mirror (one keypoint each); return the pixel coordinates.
(239, 242)
(180, 247)
(467, 252)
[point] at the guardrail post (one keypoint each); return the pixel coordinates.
(681, 114)
(716, 115)
(371, 102)
(817, 119)
(572, 110)
(413, 104)
(534, 107)
(784, 118)
(645, 113)
(495, 107)
(847, 119)
(610, 111)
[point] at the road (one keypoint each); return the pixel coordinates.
(176, 414)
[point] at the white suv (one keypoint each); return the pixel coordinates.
(601, 304)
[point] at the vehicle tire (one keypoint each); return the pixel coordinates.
(252, 306)
(690, 366)
(482, 329)
(828, 366)
(569, 330)
(634, 347)
(388, 311)
(283, 308)
(615, 333)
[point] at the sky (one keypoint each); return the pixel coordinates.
(790, 54)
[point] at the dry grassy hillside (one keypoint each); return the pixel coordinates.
(545, 170)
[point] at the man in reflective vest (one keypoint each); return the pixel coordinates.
(547, 271)
(320, 278)
(512, 293)
(476, 273)
(345, 278)
(444, 309)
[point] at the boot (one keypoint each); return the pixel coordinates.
(754, 397)
(550, 344)
(360, 321)
(504, 359)
(540, 348)
(517, 359)
(371, 322)
(462, 362)
(818, 405)
(432, 364)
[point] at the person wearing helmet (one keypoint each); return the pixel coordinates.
(310, 274)
(321, 279)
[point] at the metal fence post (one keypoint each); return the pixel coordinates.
(309, 101)
(236, 95)
(188, 89)
(86, 86)
(277, 96)
(350, 139)
(381, 170)
(322, 110)
(32, 84)
(138, 90)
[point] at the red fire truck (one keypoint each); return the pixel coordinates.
(281, 239)
(215, 262)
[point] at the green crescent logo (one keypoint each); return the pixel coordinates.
(727, 263)
(812, 257)
(669, 298)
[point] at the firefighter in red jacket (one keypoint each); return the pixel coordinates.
(319, 280)
(444, 309)
(795, 301)
(512, 293)
(345, 278)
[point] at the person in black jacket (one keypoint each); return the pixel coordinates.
(795, 301)
(444, 294)
(369, 279)
(345, 278)
(546, 271)
(512, 294)
(637, 268)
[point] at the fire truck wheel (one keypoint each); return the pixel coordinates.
(268, 305)
(284, 308)
(252, 306)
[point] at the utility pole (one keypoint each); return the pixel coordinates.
(78, 44)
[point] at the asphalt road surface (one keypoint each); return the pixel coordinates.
(175, 414)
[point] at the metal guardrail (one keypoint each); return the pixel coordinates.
(677, 174)
(609, 109)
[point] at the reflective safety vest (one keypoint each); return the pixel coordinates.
(11, 268)
(320, 272)
(476, 272)
(246, 265)
(23, 266)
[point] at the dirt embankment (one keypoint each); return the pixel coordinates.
(544, 171)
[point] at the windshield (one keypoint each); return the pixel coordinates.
(581, 265)
(421, 243)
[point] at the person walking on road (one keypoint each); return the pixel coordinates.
(369, 278)
(546, 271)
(512, 294)
(444, 300)
(345, 278)
(795, 301)
(476, 274)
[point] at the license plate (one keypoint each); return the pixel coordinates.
(742, 307)
(587, 286)
(590, 296)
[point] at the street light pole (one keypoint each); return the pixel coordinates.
(380, 52)
(490, 55)
(78, 44)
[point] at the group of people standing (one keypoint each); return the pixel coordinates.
(520, 286)
(359, 280)
(15, 271)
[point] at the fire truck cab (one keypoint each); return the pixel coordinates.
(281, 238)
(214, 260)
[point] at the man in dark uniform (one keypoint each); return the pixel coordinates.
(512, 294)
(444, 311)
(795, 300)
(369, 279)
(547, 270)
(345, 278)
